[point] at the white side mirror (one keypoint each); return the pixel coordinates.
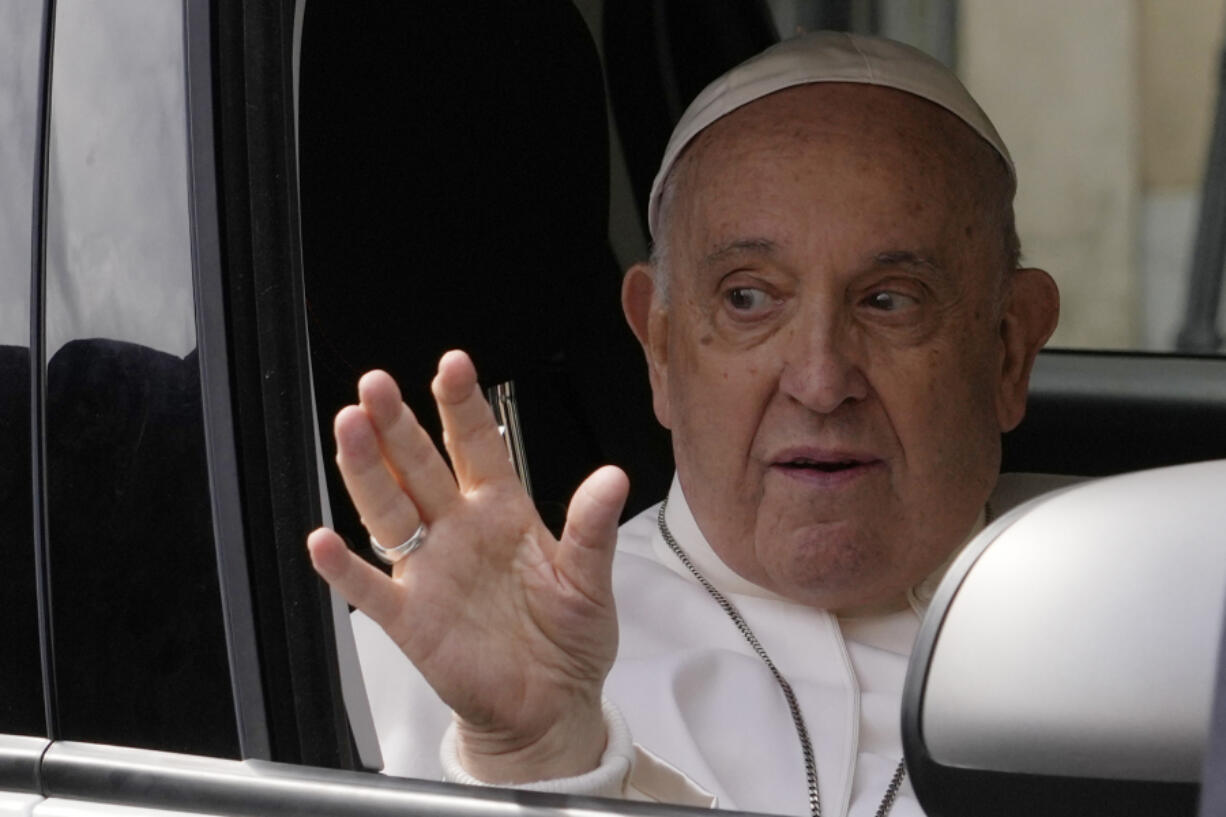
(1067, 662)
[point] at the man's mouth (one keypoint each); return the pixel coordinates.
(825, 466)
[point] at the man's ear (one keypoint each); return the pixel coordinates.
(647, 315)
(1031, 309)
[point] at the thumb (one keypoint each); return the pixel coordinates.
(590, 535)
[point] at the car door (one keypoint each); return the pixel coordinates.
(169, 649)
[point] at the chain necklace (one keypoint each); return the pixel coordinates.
(806, 747)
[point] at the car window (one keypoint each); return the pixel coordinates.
(21, 701)
(139, 649)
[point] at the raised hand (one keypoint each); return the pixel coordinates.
(514, 629)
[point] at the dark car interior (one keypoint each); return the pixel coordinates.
(454, 170)
(455, 195)
(146, 404)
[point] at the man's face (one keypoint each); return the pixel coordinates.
(832, 348)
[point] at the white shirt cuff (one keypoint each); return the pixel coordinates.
(626, 771)
(606, 780)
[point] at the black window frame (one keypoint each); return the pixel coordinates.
(38, 375)
(244, 285)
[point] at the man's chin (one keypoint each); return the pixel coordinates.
(848, 566)
(823, 564)
(846, 598)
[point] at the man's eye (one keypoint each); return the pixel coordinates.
(888, 301)
(747, 299)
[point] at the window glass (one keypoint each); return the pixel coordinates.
(21, 701)
(139, 642)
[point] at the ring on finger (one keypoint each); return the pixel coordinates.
(401, 551)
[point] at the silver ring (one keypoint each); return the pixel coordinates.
(392, 555)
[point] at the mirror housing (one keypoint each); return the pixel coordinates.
(1066, 665)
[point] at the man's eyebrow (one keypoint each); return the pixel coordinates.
(741, 245)
(903, 258)
(907, 258)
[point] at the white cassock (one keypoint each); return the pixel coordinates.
(695, 714)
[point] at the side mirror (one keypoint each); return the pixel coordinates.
(1067, 663)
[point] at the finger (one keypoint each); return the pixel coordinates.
(360, 584)
(386, 510)
(590, 536)
(469, 431)
(406, 446)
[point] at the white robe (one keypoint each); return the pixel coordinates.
(693, 693)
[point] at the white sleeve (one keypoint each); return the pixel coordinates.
(626, 771)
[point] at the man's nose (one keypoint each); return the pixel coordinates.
(823, 369)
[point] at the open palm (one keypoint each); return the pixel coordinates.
(514, 629)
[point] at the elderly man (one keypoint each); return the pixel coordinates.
(837, 332)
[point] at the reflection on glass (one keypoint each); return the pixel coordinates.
(21, 699)
(140, 651)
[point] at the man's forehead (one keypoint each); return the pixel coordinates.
(760, 246)
(858, 169)
(823, 57)
(865, 117)
(718, 253)
(805, 140)
(894, 182)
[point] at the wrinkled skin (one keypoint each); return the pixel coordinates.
(838, 295)
(514, 629)
(842, 343)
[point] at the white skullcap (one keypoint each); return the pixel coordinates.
(824, 56)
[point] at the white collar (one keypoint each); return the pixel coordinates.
(685, 529)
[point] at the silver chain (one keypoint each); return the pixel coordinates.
(802, 732)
